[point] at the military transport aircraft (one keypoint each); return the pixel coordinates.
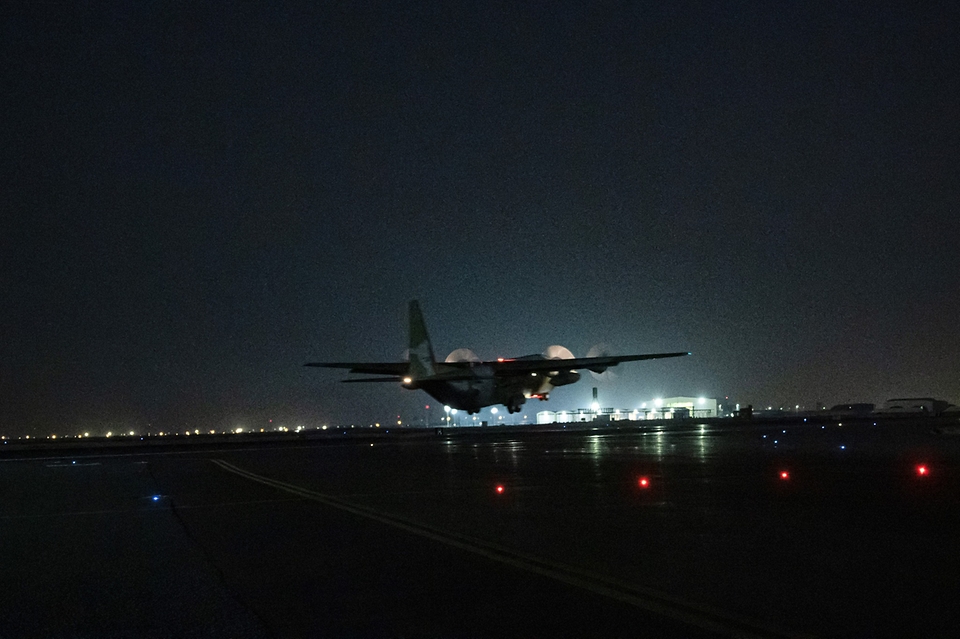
(464, 382)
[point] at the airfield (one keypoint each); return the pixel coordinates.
(682, 529)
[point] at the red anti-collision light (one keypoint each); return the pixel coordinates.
(500, 489)
(784, 475)
(922, 470)
(643, 482)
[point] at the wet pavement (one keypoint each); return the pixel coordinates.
(687, 530)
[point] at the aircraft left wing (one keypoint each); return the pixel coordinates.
(396, 369)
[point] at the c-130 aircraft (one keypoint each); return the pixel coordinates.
(464, 382)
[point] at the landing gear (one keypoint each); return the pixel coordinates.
(515, 404)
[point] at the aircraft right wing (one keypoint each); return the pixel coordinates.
(595, 364)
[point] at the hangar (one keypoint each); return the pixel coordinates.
(659, 408)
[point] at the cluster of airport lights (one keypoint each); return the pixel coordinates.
(237, 430)
(110, 434)
(452, 412)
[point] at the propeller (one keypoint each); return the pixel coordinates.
(462, 355)
(601, 350)
(558, 352)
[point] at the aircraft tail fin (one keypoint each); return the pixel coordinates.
(422, 359)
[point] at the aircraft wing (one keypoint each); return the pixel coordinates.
(396, 369)
(595, 364)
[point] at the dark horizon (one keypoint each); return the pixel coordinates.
(199, 201)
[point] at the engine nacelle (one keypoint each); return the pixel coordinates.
(564, 377)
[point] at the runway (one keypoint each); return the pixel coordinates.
(680, 531)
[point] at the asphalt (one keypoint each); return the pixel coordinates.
(411, 536)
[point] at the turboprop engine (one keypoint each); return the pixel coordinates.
(560, 377)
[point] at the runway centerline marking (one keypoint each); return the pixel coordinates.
(647, 599)
(72, 465)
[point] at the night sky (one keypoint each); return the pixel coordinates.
(197, 199)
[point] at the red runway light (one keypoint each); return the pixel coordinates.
(643, 482)
(784, 475)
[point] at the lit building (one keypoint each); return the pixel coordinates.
(681, 407)
(661, 408)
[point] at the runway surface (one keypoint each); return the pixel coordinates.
(681, 531)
